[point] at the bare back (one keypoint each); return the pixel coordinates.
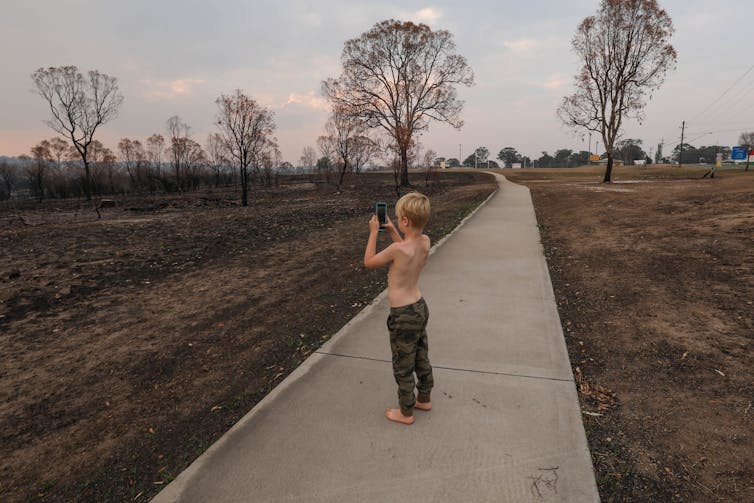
(403, 276)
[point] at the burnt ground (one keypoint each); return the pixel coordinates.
(131, 343)
(654, 279)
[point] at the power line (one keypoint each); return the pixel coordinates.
(730, 105)
(724, 92)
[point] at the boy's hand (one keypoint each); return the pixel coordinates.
(389, 224)
(374, 224)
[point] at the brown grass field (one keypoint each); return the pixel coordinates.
(133, 342)
(654, 279)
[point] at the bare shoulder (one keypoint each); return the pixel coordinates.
(425, 240)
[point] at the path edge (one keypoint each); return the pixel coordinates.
(173, 491)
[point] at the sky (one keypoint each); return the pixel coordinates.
(175, 57)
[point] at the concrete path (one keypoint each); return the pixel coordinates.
(506, 424)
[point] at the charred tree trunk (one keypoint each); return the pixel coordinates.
(244, 187)
(404, 168)
(87, 181)
(609, 169)
(342, 175)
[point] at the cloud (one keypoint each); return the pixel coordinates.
(554, 82)
(173, 89)
(309, 100)
(427, 15)
(520, 45)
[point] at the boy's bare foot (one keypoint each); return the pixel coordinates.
(423, 405)
(397, 416)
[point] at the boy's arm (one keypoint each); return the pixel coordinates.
(372, 259)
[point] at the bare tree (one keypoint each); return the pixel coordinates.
(363, 149)
(178, 133)
(9, 178)
(132, 156)
(58, 149)
(399, 76)
(246, 128)
(342, 133)
(78, 106)
(308, 158)
(327, 151)
(194, 162)
(103, 161)
(216, 155)
(155, 147)
(429, 164)
(626, 53)
(36, 172)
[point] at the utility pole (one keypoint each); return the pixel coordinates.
(460, 159)
(680, 153)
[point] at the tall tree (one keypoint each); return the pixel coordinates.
(364, 148)
(216, 155)
(36, 172)
(399, 76)
(8, 179)
(58, 148)
(79, 106)
(509, 155)
(629, 150)
(342, 130)
(481, 154)
(154, 150)
(178, 133)
(746, 139)
(626, 53)
(308, 158)
(562, 158)
(132, 156)
(429, 165)
(544, 161)
(246, 128)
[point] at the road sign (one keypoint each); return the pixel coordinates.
(738, 153)
(594, 157)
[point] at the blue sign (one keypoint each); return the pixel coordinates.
(738, 153)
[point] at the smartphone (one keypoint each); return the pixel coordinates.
(380, 209)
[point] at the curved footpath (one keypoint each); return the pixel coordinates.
(506, 424)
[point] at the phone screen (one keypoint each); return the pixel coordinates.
(381, 210)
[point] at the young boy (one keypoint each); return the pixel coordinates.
(407, 322)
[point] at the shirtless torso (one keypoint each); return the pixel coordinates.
(403, 277)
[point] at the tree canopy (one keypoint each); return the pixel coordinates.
(79, 105)
(625, 54)
(399, 77)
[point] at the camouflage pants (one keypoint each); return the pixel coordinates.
(408, 343)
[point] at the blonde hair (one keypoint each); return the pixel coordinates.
(415, 207)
